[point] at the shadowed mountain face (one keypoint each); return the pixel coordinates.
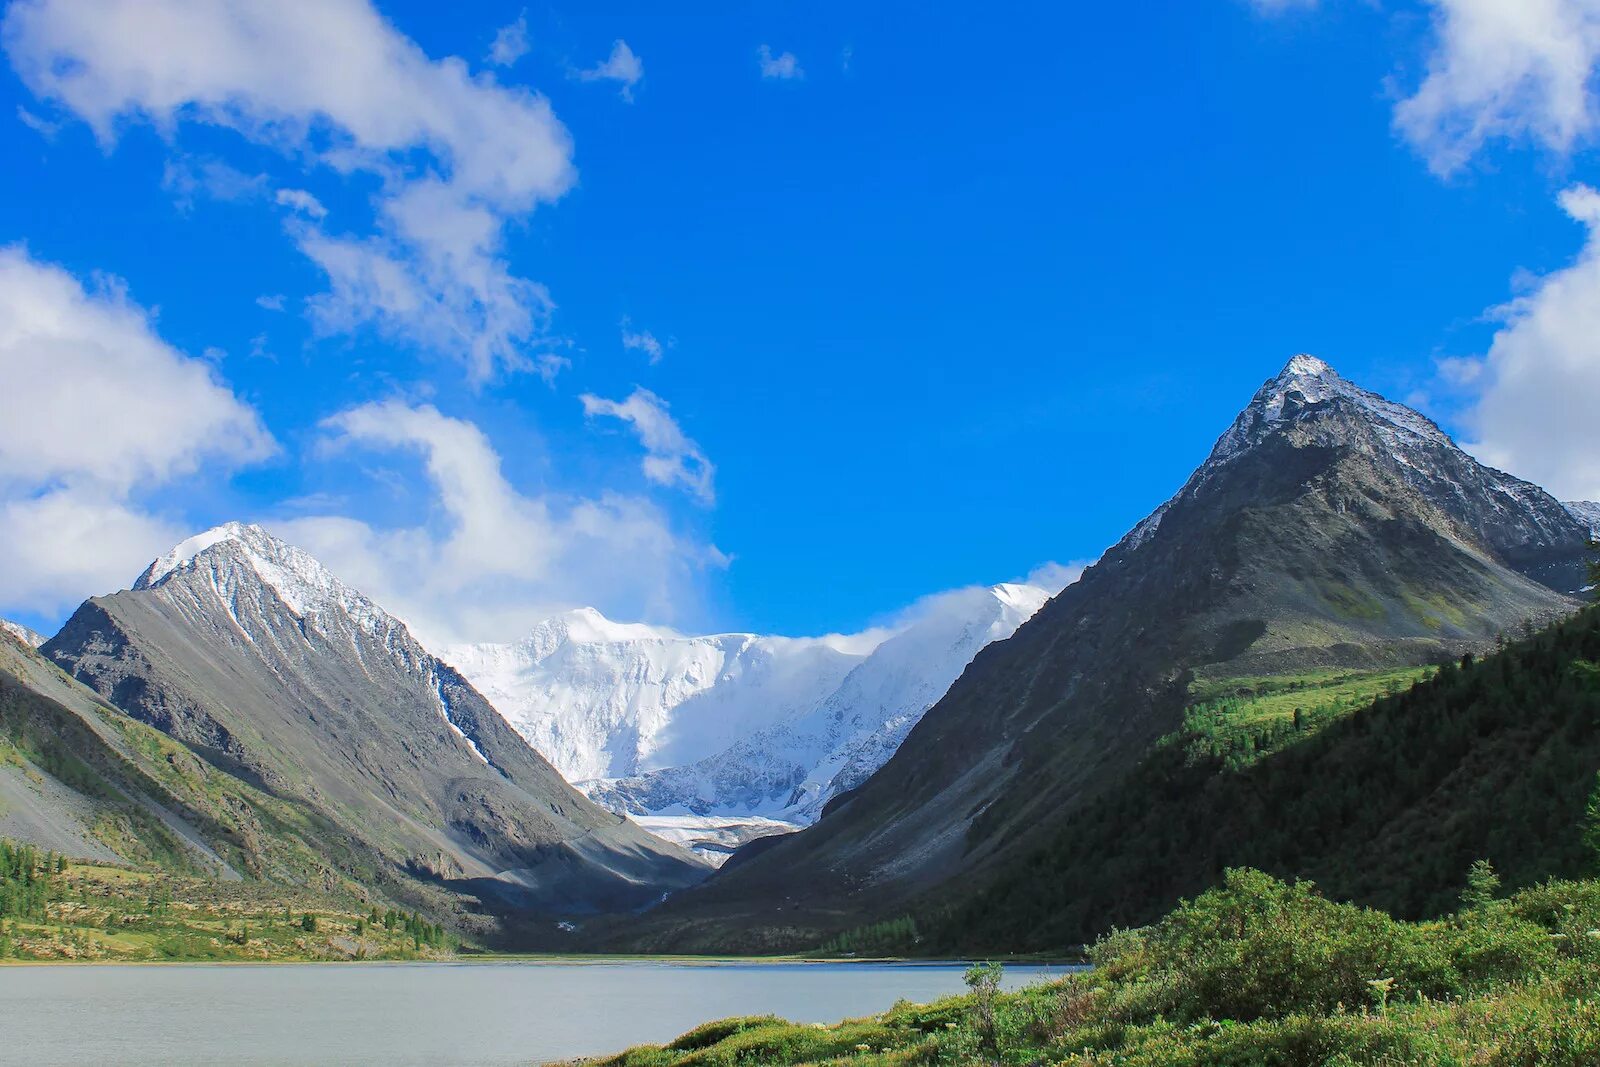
(1328, 528)
(260, 661)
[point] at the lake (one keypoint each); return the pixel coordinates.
(423, 1013)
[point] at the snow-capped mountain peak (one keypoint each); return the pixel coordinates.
(588, 626)
(237, 550)
(22, 633)
(1586, 512)
(1306, 382)
(727, 736)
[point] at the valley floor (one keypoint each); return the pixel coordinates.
(53, 910)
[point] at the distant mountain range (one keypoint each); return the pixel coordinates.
(242, 713)
(1330, 530)
(716, 740)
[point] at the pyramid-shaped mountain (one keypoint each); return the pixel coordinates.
(268, 667)
(1329, 528)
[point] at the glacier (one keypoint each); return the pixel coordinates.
(714, 740)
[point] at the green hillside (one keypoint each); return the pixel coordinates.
(1254, 973)
(1384, 801)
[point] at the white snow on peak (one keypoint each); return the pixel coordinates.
(754, 729)
(602, 699)
(28, 637)
(1307, 381)
(1586, 512)
(301, 582)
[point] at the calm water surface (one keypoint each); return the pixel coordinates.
(422, 1013)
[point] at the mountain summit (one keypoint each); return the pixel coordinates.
(1329, 528)
(254, 655)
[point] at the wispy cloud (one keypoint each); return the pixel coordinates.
(333, 84)
(621, 66)
(303, 202)
(781, 67)
(502, 559)
(642, 341)
(510, 42)
(671, 457)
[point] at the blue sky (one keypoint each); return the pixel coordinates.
(773, 317)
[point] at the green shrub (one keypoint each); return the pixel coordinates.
(1260, 948)
(711, 1033)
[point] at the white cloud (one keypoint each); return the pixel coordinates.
(1057, 576)
(42, 127)
(782, 67)
(187, 179)
(642, 341)
(1278, 7)
(1521, 70)
(96, 408)
(620, 66)
(303, 202)
(270, 301)
(458, 156)
(1536, 413)
(64, 546)
(499, 560)
(510, 42)
(671, 458)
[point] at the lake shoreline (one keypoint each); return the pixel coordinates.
(482, 1013)
(556, 959)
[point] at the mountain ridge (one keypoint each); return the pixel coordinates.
(1328, 528)
(257, 658)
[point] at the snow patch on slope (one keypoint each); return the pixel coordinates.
(1304, 382)
(304, 585)
(22, 633)
(1586, 512)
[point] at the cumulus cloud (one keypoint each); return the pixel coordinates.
(621, 66)
(1521, 71)
(499, 560)
(73, 460)
(1534, 413)
(671, 458)
(510, 42)
(458, 156)
(781, 67)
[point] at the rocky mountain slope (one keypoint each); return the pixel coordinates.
(731, 737)
(267, 667)
(1329, 528)
(80, 778)
(1586, 512)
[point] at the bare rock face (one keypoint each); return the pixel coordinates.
(260, 661)
(1328, 527)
